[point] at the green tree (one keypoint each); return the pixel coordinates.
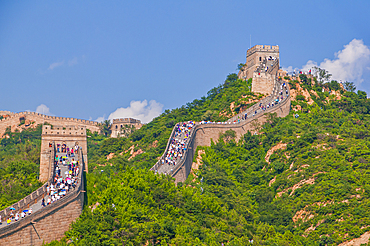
(240, 66)
(321, 74)
(349, 86)
(105, 127)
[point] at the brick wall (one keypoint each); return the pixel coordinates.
(50, 224)
(204, 134)
(14, 120)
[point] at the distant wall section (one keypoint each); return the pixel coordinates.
(118, 126)
(24, 120)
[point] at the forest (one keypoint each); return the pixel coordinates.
(302, 180)
(19, 165)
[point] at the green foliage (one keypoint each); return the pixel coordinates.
(321, 75)
(19, 165)
(105, 127)
(139, 207)
(334, 85)
(300, 98)
(214, 107)
(349, 86)
(240, 66)
(320, 172)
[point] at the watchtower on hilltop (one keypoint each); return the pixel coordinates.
(52, 136)
(262, 65)
(256, 55)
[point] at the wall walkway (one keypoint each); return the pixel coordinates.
(48, 223)
(203, 134)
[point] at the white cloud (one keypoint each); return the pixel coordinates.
(288, 69)
(348, 64)
(73, 62)
(43, 109)
(100, 119)
(140, 110)
(56, 64)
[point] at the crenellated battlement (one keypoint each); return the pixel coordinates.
(263, 48)
(118, 126)
(23, 120)
(48, 117)
(71, 130)
(125, 120)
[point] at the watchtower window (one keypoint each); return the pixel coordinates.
(260, 58)
(116, 126)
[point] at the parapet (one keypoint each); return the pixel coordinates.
(125, 120)
(64, 130)
(263, 48)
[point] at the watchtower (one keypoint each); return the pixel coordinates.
(257, 54)
(119, 124)
(60, 135)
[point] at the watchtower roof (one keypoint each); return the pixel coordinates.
(263, 48)
(125, 120)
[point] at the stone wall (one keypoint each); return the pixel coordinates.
(204, 134)
(263, 83)
(32, 119)
(49, 223)
(69, 135)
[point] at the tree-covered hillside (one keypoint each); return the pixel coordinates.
(19, 165)
(144, 146)
(303, 180)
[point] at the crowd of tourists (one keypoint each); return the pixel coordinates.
(269, 58)
(61, 184)
(17, 216)
(284, 93)
(178, 143)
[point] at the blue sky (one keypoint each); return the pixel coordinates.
(94, 59)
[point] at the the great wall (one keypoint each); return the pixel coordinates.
(50, 223)
(263, 66)
(32, 119)
(46, 223)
